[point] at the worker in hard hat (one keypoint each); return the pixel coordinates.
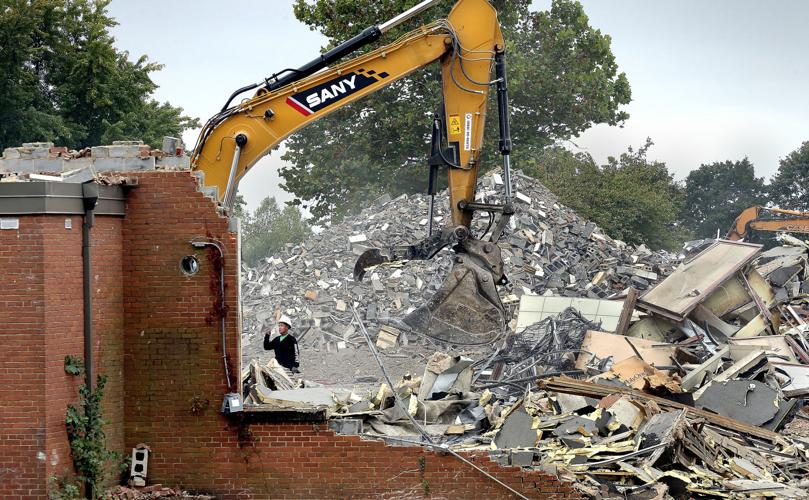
(284, 345)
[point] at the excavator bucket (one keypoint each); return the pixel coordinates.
(466, 310)
(462, 311)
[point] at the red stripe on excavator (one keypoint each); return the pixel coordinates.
(298, 106)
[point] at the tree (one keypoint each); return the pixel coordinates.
(563, 79)
(62, 80)
(788, 188)
(269, 228)
(632, 198)
(716, 193)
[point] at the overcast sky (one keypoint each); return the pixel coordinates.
(711, 81)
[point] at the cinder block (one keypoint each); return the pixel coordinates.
(171, 145)
(69, 165)
(178, 162)
(124, 164)
(347, 426)
(48, 165)
(11, 153)
(40, 153)
(36, 145)
(122, 151)
(18, 166)
(100, 152)
(127, 143)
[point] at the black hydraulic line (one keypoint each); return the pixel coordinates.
(503, 112)
(239, 91)
(502, 102)
(367, 36)
(288, 76)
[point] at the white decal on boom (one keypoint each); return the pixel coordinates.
(337, 89)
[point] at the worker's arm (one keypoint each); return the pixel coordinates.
(270, 344)
(297, 354)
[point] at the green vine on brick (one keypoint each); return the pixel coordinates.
(74, 365)
(85, 431)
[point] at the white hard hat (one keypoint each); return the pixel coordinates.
(285, 319)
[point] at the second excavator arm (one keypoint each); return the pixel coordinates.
(467, 309)
(758, 218)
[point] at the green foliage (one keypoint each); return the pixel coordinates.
(74, 365)
(63, 488)
(85, 434)
(269, 228)
(716, 193)
(788, 188)
(562, 79)
(62, 80)
(632, 198)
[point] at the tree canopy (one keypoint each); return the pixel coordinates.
(788, 188)
(562, 79)
(62, 79)
(632, 198)
(269, 228)
(716, 193)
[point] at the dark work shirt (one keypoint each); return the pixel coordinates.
(286, 351)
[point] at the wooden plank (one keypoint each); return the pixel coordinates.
(572, 386)
(626, 312)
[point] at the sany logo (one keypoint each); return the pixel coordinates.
(311, 100)
(314, 100)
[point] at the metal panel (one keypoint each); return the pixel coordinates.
(694, 281)
(43, 197)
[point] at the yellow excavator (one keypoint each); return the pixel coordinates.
(758, 218)
(467, 308)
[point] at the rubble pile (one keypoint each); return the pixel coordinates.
(700, 395)
(548, 249)
(150, 492)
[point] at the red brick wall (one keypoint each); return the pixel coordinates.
(64, 331)
(41, 310)
(22, 341)
(108, 324)
(173, 362)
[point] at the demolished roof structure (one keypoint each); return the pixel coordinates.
(702, 396)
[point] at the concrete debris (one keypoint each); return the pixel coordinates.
(548, 249)
(150, 492)
(31, 160)
(692, 386)
(699, 412)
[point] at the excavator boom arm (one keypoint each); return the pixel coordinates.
(235, 139)
(753, 219)
(467, 308)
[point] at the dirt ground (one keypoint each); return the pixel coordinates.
(356, 367)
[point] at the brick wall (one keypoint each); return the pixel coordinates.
(41, 309)
(22, 400)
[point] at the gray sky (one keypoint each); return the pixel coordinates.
(711, 81)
